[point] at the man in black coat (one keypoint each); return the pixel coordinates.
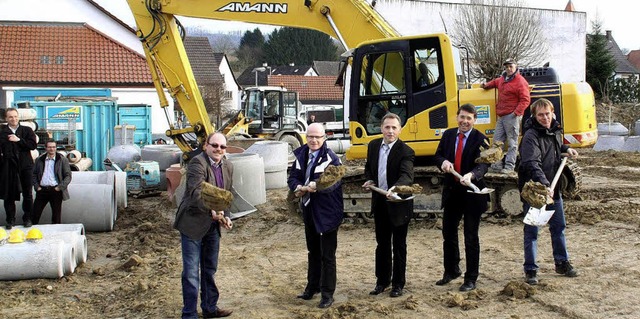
(16, 169)
(458, 149)
(390, 163)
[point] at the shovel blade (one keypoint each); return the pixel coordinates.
(483, 191)
(538, 216)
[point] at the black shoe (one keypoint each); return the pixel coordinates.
(378, 290)
(531, 277)
(219, 313)
(396, 292)
(9, 226)
(325, 302)
(447, 278)
(565, 268)
(308, 294)
(28, 224)
(468, 285)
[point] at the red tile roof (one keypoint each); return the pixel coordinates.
(309, 88)
(38, 53)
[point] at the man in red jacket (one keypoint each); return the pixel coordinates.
(513, 100)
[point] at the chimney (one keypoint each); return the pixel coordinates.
(609, 37)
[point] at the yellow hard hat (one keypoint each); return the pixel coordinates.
(3, 236)
(34, 234)
(16, 236)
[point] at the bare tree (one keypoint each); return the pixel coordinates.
(495, 30)
(213, 95)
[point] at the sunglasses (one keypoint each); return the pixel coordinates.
(216, 145)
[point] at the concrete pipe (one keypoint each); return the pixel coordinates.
(35, 154)
(274, 154)
(32, 125)
(92, 177)
(27, 114)
(84, 164)
(165, 155)
(615, 128)
(248, 177)
(74, 156)
(276, 179)
(47, 229)
(121, 191)
(32, 260)
(174, 175)
(338, 146)
(636, 128)
(94, 206)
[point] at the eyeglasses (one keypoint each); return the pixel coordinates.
(216, 145)
(312, 137)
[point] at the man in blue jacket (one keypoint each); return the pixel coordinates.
(322, 212)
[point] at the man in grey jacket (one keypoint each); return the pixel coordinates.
(199, 229)
(51, 177)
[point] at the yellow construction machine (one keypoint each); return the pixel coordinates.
(382, 74)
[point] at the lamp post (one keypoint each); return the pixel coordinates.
(256, 70)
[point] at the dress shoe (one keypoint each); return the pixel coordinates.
(396, 292)
(28, 224)
(325, 302)
(468, 286)
(447, 278)
(9, 226)
(378, 290)
(219, 313)
(307, 294)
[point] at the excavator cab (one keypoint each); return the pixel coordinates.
(270, 110)
(404, 76)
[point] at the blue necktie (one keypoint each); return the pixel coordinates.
(306, 198)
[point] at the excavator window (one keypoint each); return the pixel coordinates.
(427, 68)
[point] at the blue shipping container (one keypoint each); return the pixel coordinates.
(94, 123)
(138, 115)
(41, 94)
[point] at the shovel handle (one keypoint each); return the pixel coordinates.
(558, 173)
(471, 185)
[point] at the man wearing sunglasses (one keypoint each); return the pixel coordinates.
(322, 212)
(200, 229)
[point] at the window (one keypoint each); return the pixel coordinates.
(228, 95)
(427, 68)
(44, 59)
(59, 59)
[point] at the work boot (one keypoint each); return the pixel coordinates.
(531, 277)
(565, 268)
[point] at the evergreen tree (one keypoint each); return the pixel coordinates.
(299, 46)
(250, 53)
(600, 62)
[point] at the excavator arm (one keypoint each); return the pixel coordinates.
(350, 21)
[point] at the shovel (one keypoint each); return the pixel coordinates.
(540, 216)
(394, 196)
(474, 188)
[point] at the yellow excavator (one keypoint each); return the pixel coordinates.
(383, 74)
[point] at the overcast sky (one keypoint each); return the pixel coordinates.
(619, 16)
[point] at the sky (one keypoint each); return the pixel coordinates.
(619, 16)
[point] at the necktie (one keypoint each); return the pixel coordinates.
(306, 198)
(382, 166)
(458, 162)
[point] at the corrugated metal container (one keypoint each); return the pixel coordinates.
(138, 115)
(41, 94)
(94, 122)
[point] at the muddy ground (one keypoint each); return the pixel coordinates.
(263, 264)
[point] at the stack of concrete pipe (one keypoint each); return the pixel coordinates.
(94, 201)
(275, 157)
(166, 155)
(77, 162)
(62, 248)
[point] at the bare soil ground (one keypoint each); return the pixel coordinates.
(263, 264)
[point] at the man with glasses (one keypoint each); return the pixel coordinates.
(322, 212)
(200, 229)
(513, 100)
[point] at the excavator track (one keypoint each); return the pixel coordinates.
(504, 201)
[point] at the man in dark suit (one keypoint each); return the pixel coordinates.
(200, 229)
(390, 163)
(322, 212)
(458, 149)
(16, 168)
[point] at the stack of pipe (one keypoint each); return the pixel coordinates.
(62, 248)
